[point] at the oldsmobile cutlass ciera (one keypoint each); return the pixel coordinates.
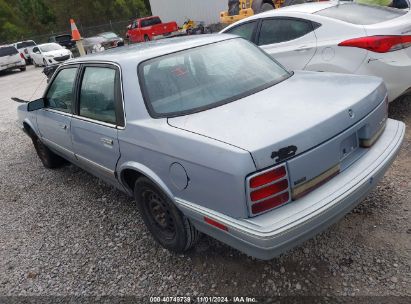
(210, 134)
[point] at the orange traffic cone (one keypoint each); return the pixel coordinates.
(75, 34)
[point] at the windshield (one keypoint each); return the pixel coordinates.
(361, 14)
(50, 47)
(206, 77)
(7, 51)
(108, 35)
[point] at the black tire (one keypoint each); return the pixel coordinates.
(266, 7)
(169, 227)
(23, 69)
(146, 38)
(49, 159)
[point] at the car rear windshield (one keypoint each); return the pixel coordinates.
(25, 44)
(108, 35)
(205, 77)
(7, 51)
(361, 14)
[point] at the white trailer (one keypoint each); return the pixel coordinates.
(207, 11)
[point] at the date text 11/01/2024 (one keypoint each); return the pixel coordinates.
(203, 299)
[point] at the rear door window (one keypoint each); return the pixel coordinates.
(281, 30)
(361, 14)
(60, 95)
(245, 30)
(97, 94)
(8, 51)
(155, 21)
(145, 23)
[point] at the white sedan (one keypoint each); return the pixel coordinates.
(336, 37)
(49, 53)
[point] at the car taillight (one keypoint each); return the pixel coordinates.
(379, 44)
(22, 56)
(268, 189)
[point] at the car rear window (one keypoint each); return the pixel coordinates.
(7, 51)
(25, 44)
(29, 43)
(63, 38)
(205, 77)
(361, 14)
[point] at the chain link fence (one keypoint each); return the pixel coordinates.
(118, 27)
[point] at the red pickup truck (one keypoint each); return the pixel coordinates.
(145, 29)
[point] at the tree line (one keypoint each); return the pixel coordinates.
(25, 18)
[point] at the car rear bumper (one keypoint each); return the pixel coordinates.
(272, 233)
(12, 66)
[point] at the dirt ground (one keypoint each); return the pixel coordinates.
(64, 232)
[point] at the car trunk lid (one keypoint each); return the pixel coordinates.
(289, 118)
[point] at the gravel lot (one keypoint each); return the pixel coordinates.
(64, 232)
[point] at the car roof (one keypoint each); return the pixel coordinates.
(308, 8)
(48, 43)
(106, 33)
(149, 17)
(136, 53)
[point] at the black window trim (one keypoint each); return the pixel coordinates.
(71, 66)
(118, 95)
(314, 26)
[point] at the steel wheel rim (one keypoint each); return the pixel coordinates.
(160, 214)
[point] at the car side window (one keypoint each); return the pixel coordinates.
(245, 30)
(97, 94)
(282, 30)
(60, 95)
(155, 21)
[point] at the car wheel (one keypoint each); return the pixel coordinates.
(169, 227)
(49, 159)
(266, 7)
(146, 38)
(23, 69)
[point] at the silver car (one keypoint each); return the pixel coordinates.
(211, 134)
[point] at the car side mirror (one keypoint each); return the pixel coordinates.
(36, 105)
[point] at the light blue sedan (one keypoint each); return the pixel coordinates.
(211, 134)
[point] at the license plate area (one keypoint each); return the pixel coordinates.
(348, 146)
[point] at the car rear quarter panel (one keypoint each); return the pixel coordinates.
(329, 56)
(216, 171)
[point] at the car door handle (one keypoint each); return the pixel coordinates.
(107, 141)
(62, 126)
